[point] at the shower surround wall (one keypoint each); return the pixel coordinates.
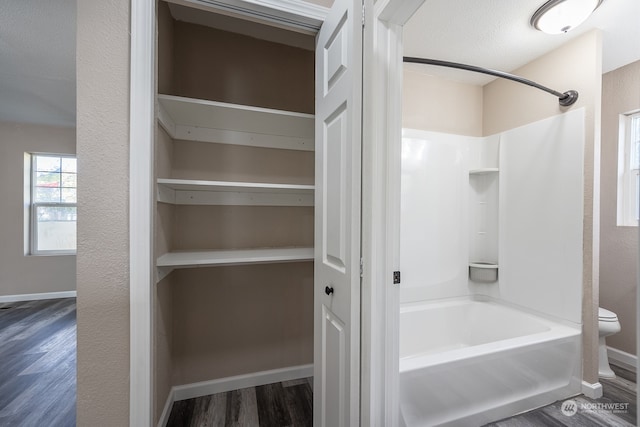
(575, 65)
(539, 205)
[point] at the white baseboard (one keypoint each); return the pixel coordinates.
(40, 296)
(622, 359)
(593, 391)
(204, 388)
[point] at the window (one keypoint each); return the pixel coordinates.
(53, 208)
(628, 168)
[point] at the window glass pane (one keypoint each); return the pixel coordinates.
(635, 141)
(637, 209)
(47, 179)
(69, 180)
(56, 228)
(47, 164)
(47, 195)
(69, 164)
(69, 195)
(56, 213)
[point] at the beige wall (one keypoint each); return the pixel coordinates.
(203, 160)
(103, 227)
(618, 245)
(237, 320)
(19, 273)
(222, 66)
(440, 105)
(576, 65)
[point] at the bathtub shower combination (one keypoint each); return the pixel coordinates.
(491, 257)
(471, 361)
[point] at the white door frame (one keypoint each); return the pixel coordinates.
(141, 207)
(382, 124)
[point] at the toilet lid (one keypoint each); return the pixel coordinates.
(606, 315)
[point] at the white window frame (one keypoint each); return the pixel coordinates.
(33, 208)
(628, 191)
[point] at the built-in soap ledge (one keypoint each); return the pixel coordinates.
(485, 272)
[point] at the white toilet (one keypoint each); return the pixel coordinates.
(608, 324)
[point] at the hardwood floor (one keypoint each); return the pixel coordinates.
(281, 404)
(38, 363)
(621, 390)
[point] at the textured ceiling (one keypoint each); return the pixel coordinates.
(37, 46)
(37, 61)
(496, 34)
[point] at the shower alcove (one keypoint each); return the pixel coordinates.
(483, 223)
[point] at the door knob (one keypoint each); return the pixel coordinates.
(328, 290)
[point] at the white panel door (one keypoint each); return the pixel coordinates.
(337, 210)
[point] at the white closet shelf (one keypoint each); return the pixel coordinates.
(210, 121)
(234, 257)
(482, 171)
(197, 192)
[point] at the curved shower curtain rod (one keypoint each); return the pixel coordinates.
(567, 98)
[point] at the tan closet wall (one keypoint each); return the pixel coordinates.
(223, 321)
(201, 62)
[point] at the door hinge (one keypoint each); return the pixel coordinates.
(363, 15)
(396, 277)
(361, 268)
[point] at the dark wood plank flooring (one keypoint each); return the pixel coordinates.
(622, 389)
(38, 363)
(283, 404)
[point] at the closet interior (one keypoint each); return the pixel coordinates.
(234, 219)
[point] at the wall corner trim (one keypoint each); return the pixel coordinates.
(592, 391)
(141, 139)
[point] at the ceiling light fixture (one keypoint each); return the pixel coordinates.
(561, 16)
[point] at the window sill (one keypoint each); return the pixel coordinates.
(50, 254)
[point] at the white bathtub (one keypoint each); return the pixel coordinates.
(468, 362)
